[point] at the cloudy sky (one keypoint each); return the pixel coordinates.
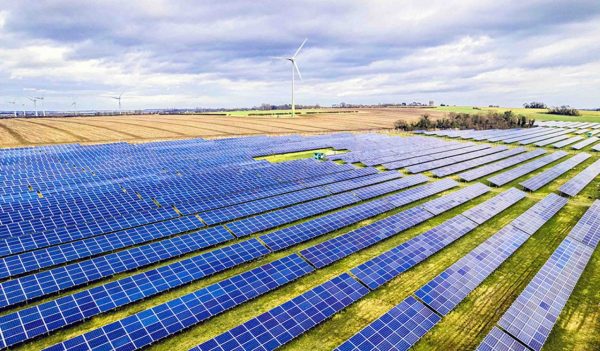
(177, 53)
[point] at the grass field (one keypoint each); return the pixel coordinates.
(462, 329)
(538, 114)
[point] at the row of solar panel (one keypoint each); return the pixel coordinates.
(133, 284)
(412, 318)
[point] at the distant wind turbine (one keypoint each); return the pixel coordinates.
(118, 98)
(41, 98)
(295, 70)
(14, 103)
(34, 99)
(74, 106)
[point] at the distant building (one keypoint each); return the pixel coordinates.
(431, 103)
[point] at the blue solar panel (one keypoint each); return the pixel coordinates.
(151, 325)
(581, 180)
(498, 340)
(533, 314)
(540, 213)
(497, 166)
(54, 255)
(456, 198)
(587, 229)
(588, 141)
(339, 247)
(386, 266)
(538, 181)
(398, 329)
(520, 171)
(287, 237)
(449, 288)
(82, 305)
(280, 325)
(454, 159)
(567, 141)
(486, 210)
(435, 156)
(75, 274)
(461, 166)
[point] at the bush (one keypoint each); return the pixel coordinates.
(491, 120)
(564, 111)
(534, 104)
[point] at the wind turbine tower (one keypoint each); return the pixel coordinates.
(295, 70)
(41, 98)
(34, 99)
(118, 98)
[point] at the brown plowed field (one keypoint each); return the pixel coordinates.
(41, 131)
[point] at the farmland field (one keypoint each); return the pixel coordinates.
(42, 131)
(258, 191)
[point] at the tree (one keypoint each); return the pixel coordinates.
(535, 104)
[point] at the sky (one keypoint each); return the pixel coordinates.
(196, 53)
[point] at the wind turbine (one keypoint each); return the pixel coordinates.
(119, 99)
(295, 70)
(74, 106)
(41, 98)
(14, 103)
(34, 99)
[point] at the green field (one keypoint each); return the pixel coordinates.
(462, 329)
(538, 114)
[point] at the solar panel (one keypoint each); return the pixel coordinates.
(520, 171)
(289, 236)
(486, 210)
(445, 203)
(580, 145)
(533, 314)
(432, 157)
(567, 141)
(455, 159)
(70, 309)
(448, 289)
(386, 266)
(457, 167)
(535, 217)
(148, 326)
(339, 247)
(498, 340)
(581, 180)
(497, 166)
(538, 181)
(63, 277)
(54, 255)
(398, 329)
(587, 229)
(551, 140)
(280, 325)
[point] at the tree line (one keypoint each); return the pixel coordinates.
(490, 120)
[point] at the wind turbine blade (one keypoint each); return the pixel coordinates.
(299, 48)
(278, 58)
(297, 69)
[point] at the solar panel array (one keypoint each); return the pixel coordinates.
(498, 166)
(411, 318)
(581, 180)
(567, 141)
(532, 316)
(74, 215)
(398, 329)
(156, 323)
(461, 166)
(520, 171)
(341, 246)
(538, 181)
(289, 320)
(588, 141)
